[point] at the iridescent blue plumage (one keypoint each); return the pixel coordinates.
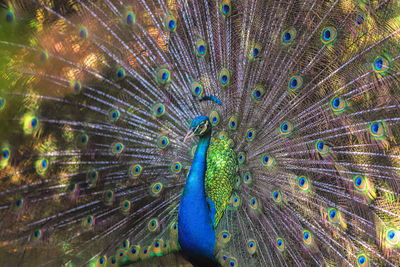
(196, 232)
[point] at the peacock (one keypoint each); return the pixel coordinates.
(199, 132)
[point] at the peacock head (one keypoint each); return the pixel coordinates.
(200, 126)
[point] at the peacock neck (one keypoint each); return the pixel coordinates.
(195, 180)
(195, 230)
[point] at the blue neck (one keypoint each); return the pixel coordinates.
(195, 230)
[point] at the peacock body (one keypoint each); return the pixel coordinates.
(228, 133)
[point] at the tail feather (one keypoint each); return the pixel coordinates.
(96, 98)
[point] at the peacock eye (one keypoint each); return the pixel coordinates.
(200, 128)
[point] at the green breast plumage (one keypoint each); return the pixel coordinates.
(220, 174)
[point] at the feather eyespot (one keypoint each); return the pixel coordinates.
(173, 229)
(88, 221)
(333, 215)
(112, 261)
(233, 123)
(254, 51)
(33, 123)
(83, 33)
(93, 177)
(241, 157)
(224, 257)
(225, 8)
(37, 234)
(2, 103)
(360, 183)
(134, 253)
(30, 124)
(73, 189)
(338, 105)
(197, 89)
(42, 166)
(286, 128)
(153, 225)
(362, 260)
(232, 262)
(145, 252)
(17, 204)
(119, 256)
(303, 183)
(247, 178)
(134, 250)
(235, 201)
(381, 65)
(223, 135)
(120, 74)
(258, 93)
(267, 160)
(108, 197)
(322, 148)
(201, 48)
(377, 130)
(280, 244)
(102, 261)
(135, 171)
(224, 237)
(224, 77)
(83, 139)
(157, 246)
(163, 142)
(9, 16)
(214, 118)
(114, 115)
(237, 182)
(254, 203)
(295, 83)
(117, 148)
(163, 76)
(44, 56)
(125, 206)
(288, 36)
(174, 226)
(307, 238)
(170, 23)
(328, 34)
(76, 87)
(176, 167)
(5, 154)
(276, 196)
(158, 110)
(392, 236)
(360, 19)
(251, 246)
(250, 134)
(125, 244)
(130, 18)
(156, 189)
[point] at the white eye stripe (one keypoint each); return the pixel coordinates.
(195, 130)
(201, 127)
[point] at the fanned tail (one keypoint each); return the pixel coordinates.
(96, 98)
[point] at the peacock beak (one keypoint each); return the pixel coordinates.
(188, 136)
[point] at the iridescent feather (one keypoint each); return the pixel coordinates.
(300, 164)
